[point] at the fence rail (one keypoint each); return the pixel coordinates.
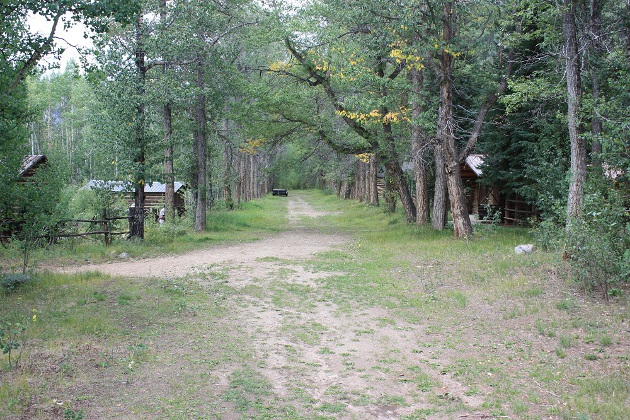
(105, 224)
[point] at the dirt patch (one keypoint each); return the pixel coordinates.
(294, 244)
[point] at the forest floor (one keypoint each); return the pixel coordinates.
(263, 331)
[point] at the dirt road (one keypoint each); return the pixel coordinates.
(317, 354)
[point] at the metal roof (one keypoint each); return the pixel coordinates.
(125, 186)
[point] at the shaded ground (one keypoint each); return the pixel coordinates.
(275, 339)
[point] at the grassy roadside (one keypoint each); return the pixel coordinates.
(254, 220)
(513, 325)
(509, 328)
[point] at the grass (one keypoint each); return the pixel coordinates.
(486, 331)
(251, 222)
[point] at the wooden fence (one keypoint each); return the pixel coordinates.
(104, 227)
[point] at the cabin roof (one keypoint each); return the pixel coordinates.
(124, 186)
(475, 162)
(30, 163)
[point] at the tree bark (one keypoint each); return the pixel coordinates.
(392, 162)
(228, 174)
(574, 91)
(597, 50)
(390, 194)
(419, 142)
(137, 222)
(169, 172)
(446, 126)
(167, 116)
(438, 220)
(200, 148)
(372, 188)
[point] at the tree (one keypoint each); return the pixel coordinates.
(21, 52)
(577, 176)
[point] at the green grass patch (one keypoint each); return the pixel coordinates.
(250, 222)
(605, 398)
(246, 389)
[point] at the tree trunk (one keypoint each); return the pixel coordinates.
(169, 173)
(419, 142)
(446, 125)
(372, 188)
(228, 174)
(574, 92)
(597, 50)
(200, 146)
(137, 222)
(167, 115)
(390, 190)
(438, 221)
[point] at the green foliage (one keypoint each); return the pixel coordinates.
(87, 203)
(70, 414)
(13, 338)
(12, 281)
(41, 206)
(596, 244)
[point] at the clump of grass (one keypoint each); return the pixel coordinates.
(605, 340)
(566, 305)
(246, 388)
(545, 328)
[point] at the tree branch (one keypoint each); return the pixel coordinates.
(37, 54)
(332, 96)
(491, 99)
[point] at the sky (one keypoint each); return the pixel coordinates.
(66, 39)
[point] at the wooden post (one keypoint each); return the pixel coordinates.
(105, 223)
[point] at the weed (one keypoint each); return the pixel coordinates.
(70, 414)
(246, 387)
(544, 329)
(566, 341)
(99, 296)
(604, 397)
(10, 282)
(13, 339)
(605, 340)
(424, 381)
(395, 400)
(332, 407)
(126, 299)
(14, 395)
(458, 298)
(534, 292)
(420, 414)
(566, 305)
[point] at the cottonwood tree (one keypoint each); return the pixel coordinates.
(378, 36)
(359, 57)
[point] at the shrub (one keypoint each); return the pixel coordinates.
(13, 281)
(597, 244)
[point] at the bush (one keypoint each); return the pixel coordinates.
(86, 204)
(161, 234)
(597, 245)
(13, 281)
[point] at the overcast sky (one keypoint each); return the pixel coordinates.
(66, 39)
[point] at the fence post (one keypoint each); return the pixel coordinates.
(108, 239)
